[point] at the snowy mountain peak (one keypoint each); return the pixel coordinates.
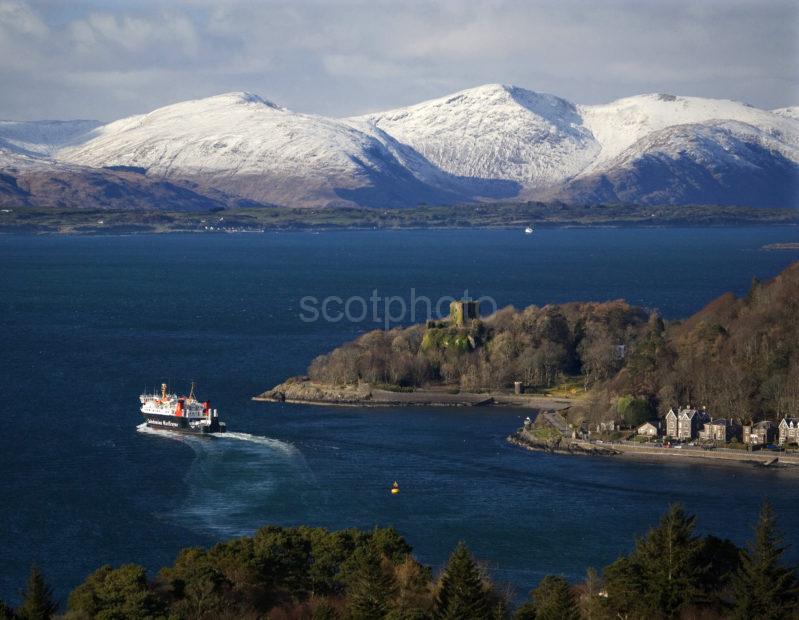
(237, 98)
(620, 124)
(789, 112)
(494, 132)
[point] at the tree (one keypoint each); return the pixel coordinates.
(196, 585)
(282, 556)
(634, 411)
(764, 588)
(324, 611)
(414, 599)
(660, 576)
(552, 599)
(388, 543)
(668, 557)
(115, 593)
(37, 599)
(462, 595)
(371, 588)
(6, 612)
(592, 602)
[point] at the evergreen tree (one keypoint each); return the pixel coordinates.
(764, 588)
(37, 599)
(668, 557)
(462, 595)
(553, 600)
(371, 588)
(6, 612)
(661, 576)
(324, 611)
(116, 593)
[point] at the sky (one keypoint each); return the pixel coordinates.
(63, 59)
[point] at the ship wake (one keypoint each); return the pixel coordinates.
(238, 482)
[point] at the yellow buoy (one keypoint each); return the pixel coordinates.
(394, 488)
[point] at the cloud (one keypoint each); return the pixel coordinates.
(93, 58)
(18, 18)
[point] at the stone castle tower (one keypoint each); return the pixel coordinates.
(462, 312)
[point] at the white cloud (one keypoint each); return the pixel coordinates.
(352, 56)
(18, 18)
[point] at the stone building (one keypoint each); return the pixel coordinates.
(722, 429)
(462, 312)
(649, 429)
(760, 434)
(789, 430)
(684, 424)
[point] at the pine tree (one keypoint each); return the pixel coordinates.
(661, 576)
(6, 612)
(462, 595)
(668, 559)
(764, 588)
(371, 588)
(37, 599)
(553, 600)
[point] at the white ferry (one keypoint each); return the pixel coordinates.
(183, 414)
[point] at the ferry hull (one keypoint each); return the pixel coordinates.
(181, 425)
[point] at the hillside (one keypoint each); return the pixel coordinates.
(739, 357)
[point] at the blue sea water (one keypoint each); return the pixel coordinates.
(87, 322)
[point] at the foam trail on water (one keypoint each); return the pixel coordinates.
(275, 444)
(238, 482)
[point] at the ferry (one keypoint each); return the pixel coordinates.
(184, 414)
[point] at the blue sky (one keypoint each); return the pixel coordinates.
(105, 60)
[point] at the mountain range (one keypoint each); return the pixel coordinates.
(490, 143)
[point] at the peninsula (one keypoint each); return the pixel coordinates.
(613, 372)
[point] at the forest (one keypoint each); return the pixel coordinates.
(314, 574)
(739, 357)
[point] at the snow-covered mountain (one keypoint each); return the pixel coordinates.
(41, 138)
(495, 132)
(490, 142)
(246, 145)
(789, 112)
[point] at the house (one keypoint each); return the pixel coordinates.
(684, 423)
(789, 430)
(607, 426)
(760, 434)
(722, 429)
(649, 429)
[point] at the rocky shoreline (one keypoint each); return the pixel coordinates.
(302, 390)
(564, 447)
(763, 459)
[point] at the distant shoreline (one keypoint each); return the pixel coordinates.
(781, 246)
(252, 220)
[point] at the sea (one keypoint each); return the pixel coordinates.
(89, 322)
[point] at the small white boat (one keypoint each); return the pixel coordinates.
(528, 230)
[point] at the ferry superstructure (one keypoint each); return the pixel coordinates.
(180, 413)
